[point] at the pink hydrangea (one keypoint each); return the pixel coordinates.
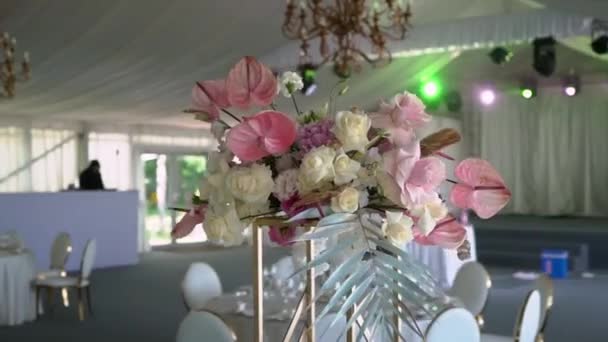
(315, 134)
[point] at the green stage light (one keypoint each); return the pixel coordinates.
(431, 90)
(527, 93)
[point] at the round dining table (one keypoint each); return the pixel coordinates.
(237, 312)
(17, 297)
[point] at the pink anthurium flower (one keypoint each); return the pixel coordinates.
(186, 225)
(209, 96)
(250, 82)
(282, 236)
(481, 188)
(399, 117)
(448, 233)
(263, 134)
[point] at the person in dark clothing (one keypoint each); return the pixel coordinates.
(90, 178)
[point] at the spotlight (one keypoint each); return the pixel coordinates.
(528, 89)
(453, 100)
(571, 84)
(599, 36)
(487, 97)
(544, 56)
(431, 90)
(500, 55)
(308, 72)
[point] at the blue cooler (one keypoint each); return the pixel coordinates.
(555, 263)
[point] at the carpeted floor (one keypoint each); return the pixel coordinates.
(143, 303)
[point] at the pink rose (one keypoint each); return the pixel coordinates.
(399, 118)
(250, 82)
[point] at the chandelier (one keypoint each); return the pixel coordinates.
(342, 26)
(8, 73)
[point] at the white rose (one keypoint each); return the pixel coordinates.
(351, 130)
(429, 214)
(290, 83)
(244, 209)
(233, 235)
(317, 167)
(226, 228)
(250, 184)
(345, 169)
(347, 201)
(398, 227)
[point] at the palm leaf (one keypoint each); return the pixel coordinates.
(378, 281)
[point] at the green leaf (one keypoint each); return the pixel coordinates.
(196, 200)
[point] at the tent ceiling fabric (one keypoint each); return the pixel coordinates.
(135, 61)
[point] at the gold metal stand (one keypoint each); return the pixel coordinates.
(258, 286)
(306, 302)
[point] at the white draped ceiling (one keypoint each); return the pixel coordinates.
(134, 61)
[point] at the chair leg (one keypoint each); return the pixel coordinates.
(80, 303)
(65, 297)
(50, 299)
(89, 303)
(37, 302)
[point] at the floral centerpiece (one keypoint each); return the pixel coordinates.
(368, 183)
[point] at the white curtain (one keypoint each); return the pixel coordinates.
(552, 150)
(14, 176)
(38, 159)
(54, 164)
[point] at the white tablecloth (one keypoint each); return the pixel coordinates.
(227, 307)
(17, 271)
(443, 263)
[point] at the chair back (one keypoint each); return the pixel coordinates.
(88, 259)
(60, 251)
(472, 286)
(453, 324)
(544, 285)
(200, 284)
(203, 326)
(528, 319)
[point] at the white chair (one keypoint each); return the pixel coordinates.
(527, 324)
(200, 284)
(454, 324)
(471, 286)
(544, 285)
(204, 326)
(80, 283)
(60, 252)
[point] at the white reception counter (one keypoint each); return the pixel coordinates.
(110, 217)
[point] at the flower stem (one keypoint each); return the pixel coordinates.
(231, 115)
(295, 104)
(451, 181)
